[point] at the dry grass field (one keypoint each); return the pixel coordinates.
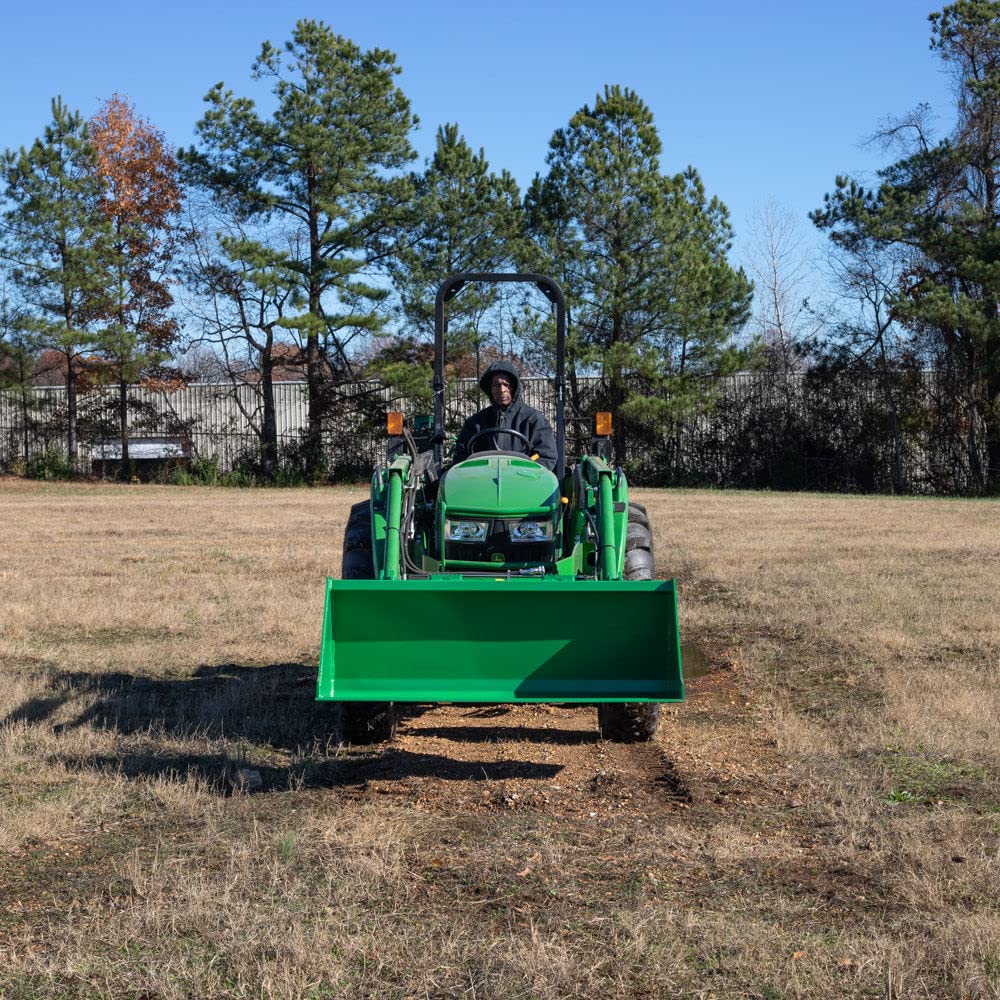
(821, 818)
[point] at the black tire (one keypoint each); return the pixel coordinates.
(358, 534)
(638, 537)
(366, 722)
(357, 565)
(363, 722)
(628, 722)
(637, 514)
(357, 562)
(633, 721)
(639, 565)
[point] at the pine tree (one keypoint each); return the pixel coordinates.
(465, 218)
(319, 176)
(643, 257)
(56, 235)
(239, 308)
(18, 353)
(553, 247)
(938, 208)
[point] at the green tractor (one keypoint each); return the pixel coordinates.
(494, 580)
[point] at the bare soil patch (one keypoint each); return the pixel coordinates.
(820, 818)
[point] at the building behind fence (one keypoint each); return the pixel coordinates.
(831, 431)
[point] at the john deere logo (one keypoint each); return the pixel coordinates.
(497, 557)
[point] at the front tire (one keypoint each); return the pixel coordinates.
(633, 721)
(628, 722)
(363, 722)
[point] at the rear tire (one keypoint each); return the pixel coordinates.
(363, 722)
(357, 565)
(637, 514)
(358, 534)
(357, 562)
(633, 721)
(639, 565)
(638, 537)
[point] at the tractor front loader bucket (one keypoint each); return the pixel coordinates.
(478, 639)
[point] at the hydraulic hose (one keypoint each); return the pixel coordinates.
(408, 564)
(592, 521)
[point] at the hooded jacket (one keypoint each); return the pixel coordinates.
(517, 417)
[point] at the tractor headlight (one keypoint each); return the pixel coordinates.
(466, 531)
(530, 531)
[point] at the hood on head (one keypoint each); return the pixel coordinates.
(501, 368)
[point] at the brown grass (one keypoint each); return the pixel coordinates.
(821, 818)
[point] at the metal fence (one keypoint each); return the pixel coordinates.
(833, 431)
(219, 420)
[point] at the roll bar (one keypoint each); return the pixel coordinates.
(450, 287)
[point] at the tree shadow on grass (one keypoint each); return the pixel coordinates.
(222, 774)
(271, 705)
(257, 708)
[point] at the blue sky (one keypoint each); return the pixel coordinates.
(767, 100)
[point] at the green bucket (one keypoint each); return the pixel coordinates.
(478, 639)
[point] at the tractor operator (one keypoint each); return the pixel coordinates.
(501, 383)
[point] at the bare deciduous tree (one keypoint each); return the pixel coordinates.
(783, 270)
(864, 323)
(238, 311)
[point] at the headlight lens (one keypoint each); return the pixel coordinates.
(530, 531)
(466, 531)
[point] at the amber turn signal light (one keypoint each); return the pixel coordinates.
(394, 423)
(602, 425)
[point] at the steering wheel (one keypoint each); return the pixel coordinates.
(499, 430)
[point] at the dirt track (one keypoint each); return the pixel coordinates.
(453, 758)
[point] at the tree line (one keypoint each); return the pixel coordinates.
(304, 241)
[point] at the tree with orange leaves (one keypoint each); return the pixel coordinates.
(142, 197)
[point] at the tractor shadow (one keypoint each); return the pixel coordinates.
(506, 734)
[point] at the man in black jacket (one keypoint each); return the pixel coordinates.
(501, 383)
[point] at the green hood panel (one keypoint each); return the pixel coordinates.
(499, 485)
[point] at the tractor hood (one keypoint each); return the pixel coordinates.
(499, 485)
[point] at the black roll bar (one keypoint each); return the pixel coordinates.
(450, 287)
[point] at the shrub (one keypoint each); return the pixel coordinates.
(53, 463)
(246, 472)
(200, 472)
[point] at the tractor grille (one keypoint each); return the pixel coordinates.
(498, 543)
